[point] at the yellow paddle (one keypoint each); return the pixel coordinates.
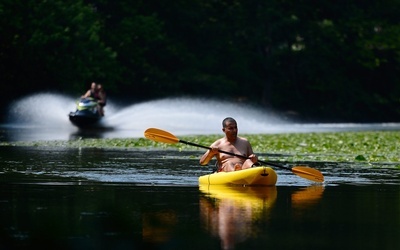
(159, 135)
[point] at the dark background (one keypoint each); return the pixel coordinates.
(330, 61)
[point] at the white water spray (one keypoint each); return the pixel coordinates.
(181, 116)
(48, 113)
(192, 116)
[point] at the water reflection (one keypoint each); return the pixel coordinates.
(158, 227)
(230, 213)
(305, 199)
(95, 133)
(125, 216)
(234, 213)
(307, 196)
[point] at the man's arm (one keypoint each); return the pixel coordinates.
(205, 159)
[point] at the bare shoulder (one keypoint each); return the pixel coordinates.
(218, 142)
(242, 139)
(243, 142)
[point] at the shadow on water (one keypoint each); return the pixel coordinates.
(44, 116)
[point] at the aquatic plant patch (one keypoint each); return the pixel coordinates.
(367, 146)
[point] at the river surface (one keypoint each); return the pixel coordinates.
(95, 198)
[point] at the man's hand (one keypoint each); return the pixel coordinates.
(253, 158)
(214, 150)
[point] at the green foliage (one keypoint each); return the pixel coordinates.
(344, 146)
(52, 45)
(335, 60)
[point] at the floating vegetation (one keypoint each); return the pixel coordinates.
(370, 147)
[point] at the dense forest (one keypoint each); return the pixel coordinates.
(327, 60)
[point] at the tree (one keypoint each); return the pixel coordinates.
(51, 45)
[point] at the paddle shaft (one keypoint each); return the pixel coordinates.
(229, 153)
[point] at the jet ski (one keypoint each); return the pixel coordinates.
(86, 114)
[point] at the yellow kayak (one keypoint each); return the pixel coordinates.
(256, 176)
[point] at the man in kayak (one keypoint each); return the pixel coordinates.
(230, 143)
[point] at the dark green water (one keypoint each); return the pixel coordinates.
(59, 198)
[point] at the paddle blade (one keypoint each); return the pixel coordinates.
(159, 135)
(308, 173)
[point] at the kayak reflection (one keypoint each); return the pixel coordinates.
(231, 212)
